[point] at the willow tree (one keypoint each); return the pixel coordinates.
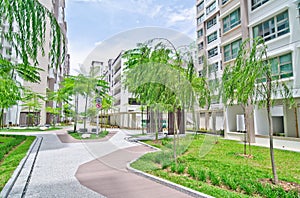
(28, 22)
(250, 82)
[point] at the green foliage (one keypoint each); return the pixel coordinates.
(93, 136)
(225, 169)
(16, 151)
(31, 18)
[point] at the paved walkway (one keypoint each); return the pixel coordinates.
(108, 175)
(279, 144)
(57, 163)
(66, 167)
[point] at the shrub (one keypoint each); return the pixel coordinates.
(202, 175)
(180, 168)
(191, 172)
(173, 167)
(214, 178)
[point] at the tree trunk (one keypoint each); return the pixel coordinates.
(181, 121)
(148, 120)
(76, 113)
(1, 118)
(174, 140)
(170, 123)
(85, 111)
(275, 177)
(142, 120)
(296, 119)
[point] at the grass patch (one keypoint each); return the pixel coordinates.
(223, 172)
(92, 137)
(30, 129)
(12, 151)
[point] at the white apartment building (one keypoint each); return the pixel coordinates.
(278, 22)
(209, 56)
(126, 110)
(50, 77)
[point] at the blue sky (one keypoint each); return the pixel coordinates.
(91, 22)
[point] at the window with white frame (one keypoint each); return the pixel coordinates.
(212, 52)
(211, 22)
(257, 3)
(274, 27)
(213, 67)
(200, 59)
(200, 6)
(232, 20)
(200, 33)
(211, 7)
(224, 1)
(200, 46)
(231, 50)
(282, 66)
(200, 19)
(212, 37)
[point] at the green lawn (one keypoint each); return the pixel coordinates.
(30, 129)
(223, 172)
(92, 137)
(12, 150)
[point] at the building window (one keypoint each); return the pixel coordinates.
(232, 20)
(273, 27)
(282, 66)
(200, 46)
(200, 73)
(212, 37)
(299, 9)
(231, 50)
(200, 60)
(211, 22)
(200, 33)
(213, 67)
(200, 6)
(213, 52)
(224, 1)
(257, 3)
(200, 19)
(211, 8)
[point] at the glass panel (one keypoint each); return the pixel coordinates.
(285, 59)
(274, 65)
(226, 24)
(287, 68)
(227, 53)
(235, 48)
(283, 23)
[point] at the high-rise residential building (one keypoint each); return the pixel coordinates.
(210, 56)
(126, 109)
(278, 23)
(50, 77)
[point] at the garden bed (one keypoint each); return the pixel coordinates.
(223, 172)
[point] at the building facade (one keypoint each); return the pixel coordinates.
(50, 77)
(278, 23)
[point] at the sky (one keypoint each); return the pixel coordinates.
(94, 22)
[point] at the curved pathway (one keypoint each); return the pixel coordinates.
(89, 169)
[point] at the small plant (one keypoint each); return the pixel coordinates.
(173, 167)
(191, 172)
(180, 168)
(202, 175)
(214, 179)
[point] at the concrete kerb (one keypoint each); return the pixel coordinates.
(11, 182)
(164, 182)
